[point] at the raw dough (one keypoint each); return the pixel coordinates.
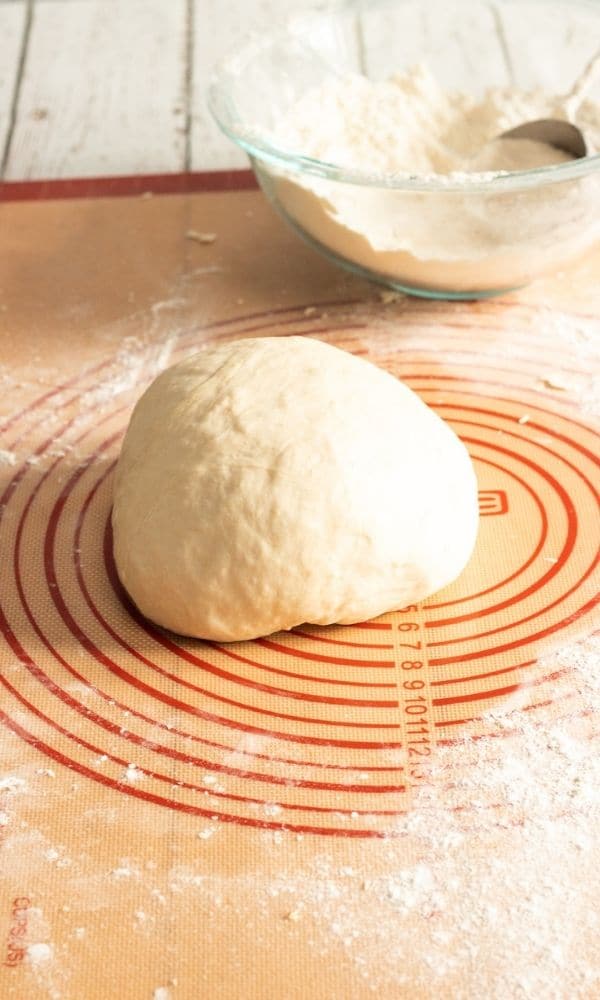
(265, 483)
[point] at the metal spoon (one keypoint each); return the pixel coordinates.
(553, 132)
(557, 132)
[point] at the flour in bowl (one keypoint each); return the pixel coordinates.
(409, 127)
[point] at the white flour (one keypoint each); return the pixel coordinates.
(501, 902)
(408, 126)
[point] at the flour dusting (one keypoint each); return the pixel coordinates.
(37, 953)
(496, 857)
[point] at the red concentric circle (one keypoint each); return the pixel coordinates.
(304, 730)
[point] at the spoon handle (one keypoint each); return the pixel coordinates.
(582, 85)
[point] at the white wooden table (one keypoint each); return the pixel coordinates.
(101, 88)
(116, 87)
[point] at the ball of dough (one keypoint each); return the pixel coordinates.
(269, 482)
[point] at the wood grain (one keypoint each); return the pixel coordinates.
(394, 38)
(103, 90)
(112, 87)
(218, 28)
(549, 60)
(12, 28)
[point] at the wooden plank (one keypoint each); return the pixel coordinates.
(548, 59)
(218, 28)
(12, 27)
(103, 90)
(397, 38)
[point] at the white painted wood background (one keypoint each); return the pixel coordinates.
(101, 87)
(106, 87)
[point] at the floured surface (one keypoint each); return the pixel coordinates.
(264, 819)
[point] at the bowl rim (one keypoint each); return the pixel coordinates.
(258, 147)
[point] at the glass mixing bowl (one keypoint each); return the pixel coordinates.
(484, 235)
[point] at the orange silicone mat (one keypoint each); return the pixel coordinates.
(406, 807)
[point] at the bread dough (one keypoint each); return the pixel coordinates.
(264, 483)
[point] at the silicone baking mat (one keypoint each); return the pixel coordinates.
(404, 806)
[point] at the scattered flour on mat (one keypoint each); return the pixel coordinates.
(491, 879)
(206, 833)
(12, 784)
(40, 952)
(125, 871)
(501, 900)
(132, 774)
